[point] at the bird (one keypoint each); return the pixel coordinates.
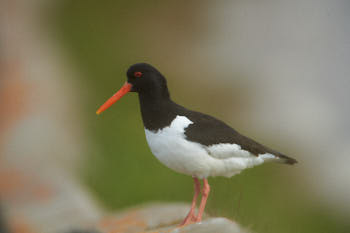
(190, 142)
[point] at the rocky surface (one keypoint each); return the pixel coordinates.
(152, 218)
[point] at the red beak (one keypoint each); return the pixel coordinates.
(125, 89)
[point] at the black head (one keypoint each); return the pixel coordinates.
(146, 80)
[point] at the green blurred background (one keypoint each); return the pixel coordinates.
(102, 38)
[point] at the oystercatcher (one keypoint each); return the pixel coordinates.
(187, 141)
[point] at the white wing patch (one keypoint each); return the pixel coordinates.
(268, 156)
(227, 150)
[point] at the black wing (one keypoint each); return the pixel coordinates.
(207, 130)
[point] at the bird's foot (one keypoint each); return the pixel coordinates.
(191, 218)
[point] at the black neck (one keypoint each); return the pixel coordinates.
(157, 109)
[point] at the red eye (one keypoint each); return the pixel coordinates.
(137, 74)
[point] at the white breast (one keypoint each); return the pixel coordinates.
(171, 148)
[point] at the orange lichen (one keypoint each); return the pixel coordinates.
(19, 225)
(131, 221)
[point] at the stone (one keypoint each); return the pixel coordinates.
(159, 218)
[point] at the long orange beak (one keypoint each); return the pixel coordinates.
(125, 89)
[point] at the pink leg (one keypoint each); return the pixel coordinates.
(205, 194)
(190, 218)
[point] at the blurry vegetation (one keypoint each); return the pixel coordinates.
(3, 225)
(103, 39)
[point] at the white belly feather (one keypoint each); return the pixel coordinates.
(171, 148)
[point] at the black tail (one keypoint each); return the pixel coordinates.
(287, 160)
